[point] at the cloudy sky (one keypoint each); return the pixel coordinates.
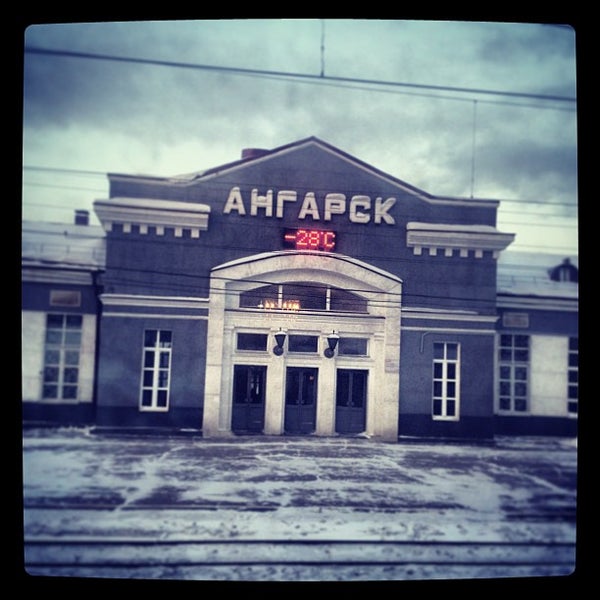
(441, 130)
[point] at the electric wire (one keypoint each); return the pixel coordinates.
(277, 229)
(196, 283)
(365, 234)
(362, 234)
(373, 85)
(501, 224)
(299, 76)
(63, 207)
(225, 183)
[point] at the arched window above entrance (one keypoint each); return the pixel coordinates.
(297, 296)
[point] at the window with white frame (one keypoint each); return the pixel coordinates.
(67, 298)
(573, 387)
(513, 365)
(353, 346)
(156, 370)
(303, 343)
(252, 341)
(62, 350)
(446, 381)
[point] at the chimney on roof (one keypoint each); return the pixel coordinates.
(565, 272)
(82, 217)
(253, 152)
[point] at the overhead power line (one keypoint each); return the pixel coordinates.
(561, 225)
(64, 170)
(230, 182)
(288, 74)
(372, 238)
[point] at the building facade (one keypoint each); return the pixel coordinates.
(60, 275)
(537, 362)
(301, 291)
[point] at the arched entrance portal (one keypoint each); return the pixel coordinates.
(269, 367)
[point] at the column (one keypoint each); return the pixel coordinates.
(275, 397)
(326, 392)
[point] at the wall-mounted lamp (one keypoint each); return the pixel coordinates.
(332, 341)
(280, 340)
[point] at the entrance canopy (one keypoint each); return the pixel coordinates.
(336, 270)
(378, 322)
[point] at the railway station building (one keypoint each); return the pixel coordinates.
(296, 291)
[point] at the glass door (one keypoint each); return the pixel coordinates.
(351, 400)
(300, 400)
(248, 414)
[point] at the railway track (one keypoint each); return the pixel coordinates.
(145, 519)
(294, 559)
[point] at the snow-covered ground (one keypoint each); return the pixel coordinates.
(79, 485)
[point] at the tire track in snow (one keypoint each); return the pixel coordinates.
(152, 479)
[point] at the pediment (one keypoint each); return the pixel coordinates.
(308, 164)
(313, 156)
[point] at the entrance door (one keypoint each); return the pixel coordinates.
(351, 401)
(300, 400)
(248, 414)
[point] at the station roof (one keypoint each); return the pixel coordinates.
(529, 274)
(63, 245)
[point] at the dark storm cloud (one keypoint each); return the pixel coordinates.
(124, 97)
(538, 42)
(244, 44)
(160, 120)
(59, 90)
(535, 171)
(65, 91)
(537, 58)
(151, 101)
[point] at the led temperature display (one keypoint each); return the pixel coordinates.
(309, 239)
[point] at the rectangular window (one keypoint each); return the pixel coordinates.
(513, 376)
(446, 381)
(61, 356)
(573, 376)
(350, 346)
(252, 341)
(303, 343)
(515, 320)
(69, 298)
(156, 370)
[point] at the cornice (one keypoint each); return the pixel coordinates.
(159, 214)
(131, 300)
(506, 301)
(446, 315)
(449, 237)
(55, 275)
